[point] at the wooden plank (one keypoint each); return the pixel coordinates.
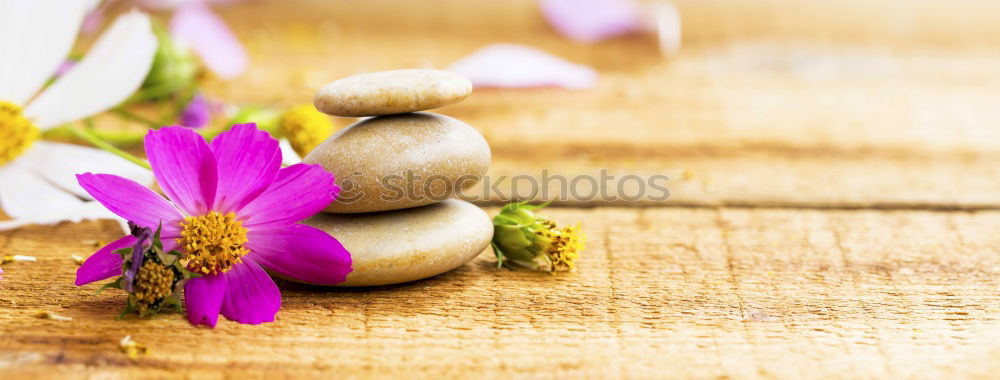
(771, 90)
(659, 292)
(744, 178)
(811, 106)
(846, 104)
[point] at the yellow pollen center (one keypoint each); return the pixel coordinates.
(565, 247)
(212, 243)
(16, 133)
(305, 128)
(153, 283)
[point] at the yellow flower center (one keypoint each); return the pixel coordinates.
(212, 243)
(567, 243)
(305, 128)
(16, 133)
(153, 283)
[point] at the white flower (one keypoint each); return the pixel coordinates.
(37, 178)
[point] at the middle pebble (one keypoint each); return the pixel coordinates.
(401, 161)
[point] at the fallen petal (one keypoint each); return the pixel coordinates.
(519, 66)
(592, 20)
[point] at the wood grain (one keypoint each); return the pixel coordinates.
(774, 102)
(660, 292)
(833, 208)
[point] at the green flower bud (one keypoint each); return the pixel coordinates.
(511, 236)
(268, 119)
(521, 238)
(175, 68)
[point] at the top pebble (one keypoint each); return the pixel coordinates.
(392, 92)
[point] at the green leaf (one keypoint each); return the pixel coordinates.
(499, 254)
(510, 237)
(534, 207)
(156, 236)
(125, 253)
(502, 219)
(128, 309)
(117, 284)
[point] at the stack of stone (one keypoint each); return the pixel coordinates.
(397, 171)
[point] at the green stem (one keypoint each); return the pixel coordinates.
(117, 138)
(185, 97)
(96, 141)
(131, 116)
(150, 93)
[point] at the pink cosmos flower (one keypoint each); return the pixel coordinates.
(232, 210)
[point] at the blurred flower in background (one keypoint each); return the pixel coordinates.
(195, 24)
(197, 27)
(305, 128)
(37, 178)
(174, 70)
(193, 42)
(197, 113)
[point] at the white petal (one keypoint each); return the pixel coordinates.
(30, 199)
(26, 195)
(84, 211)
(92, 4)
(35, 38)
(288, 154)
(60, 163)
(111, 71)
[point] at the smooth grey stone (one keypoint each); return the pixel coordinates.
(393, 247)
(391, 92)
(401, 161)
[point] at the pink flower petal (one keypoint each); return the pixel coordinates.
(184, 166)
(132, 201)
(592, 20)
(298, 192)
(302, 253)
(248, 161)
(103, 264)
(251, 295)
(203, 299)
(518, 66)
(210, 37)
